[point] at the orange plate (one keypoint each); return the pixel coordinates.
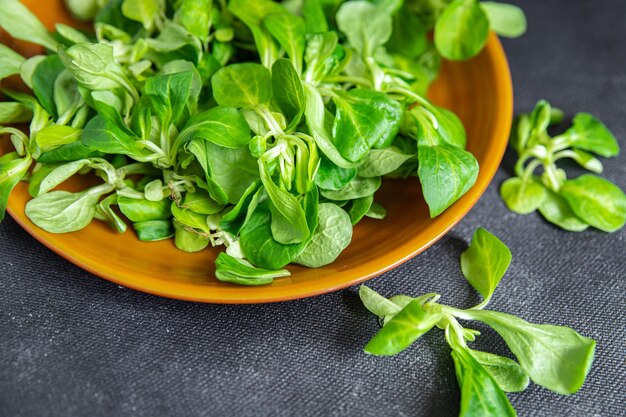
(479, 91)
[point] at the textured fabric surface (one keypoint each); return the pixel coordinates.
(73, 344)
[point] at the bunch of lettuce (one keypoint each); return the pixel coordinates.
(266, 127)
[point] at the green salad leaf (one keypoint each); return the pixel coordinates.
(571, 204)
(555, 357)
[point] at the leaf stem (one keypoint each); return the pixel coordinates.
(361, 81)
(410, 94)
(562, 142)
(456, 312)
(457, 330)
(530, 169)
(272, 124)
(481, 305)
(553, 181)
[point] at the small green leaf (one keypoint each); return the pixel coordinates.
(587, 161)
(289, 30)
(409, 37)
(289, 223)
(376, 211)
(520, 133)
(106, 213)
(69, 34)
(540, 118)
(190, 218)
(11, 113)
(28, 68)
(359, 207)
(144, 210)
(153, 190)
(188, 240)
(201, 202)
(94, 67)
(480, 393)
(332, 177)
(446, 173)
(505, 19)
(596, 201)
(236, 218)
(522, 197)
(43, 79)
(169, 96)
(366, 26)
(258, 244)
(313, 13)
(11, 62)
(381, 162)
(223, 126)
(402, 301)
(22, 24)
(64, 212)
(43, 180)
(401, 331)
(238, 271)
(332, 236)
(252, 14)
(232, 170)
(70, 152)
(67, 98)
(590, 134)
(288, 91)
(83, 9)
(315, 119)
(485, 262)
(376, 303)
(507, 373)
(154, 230)
(556, 116)
(195, 16)
(435, 126)
(364, 119)
(450, 127)
(12, 170)
(145, 12)
(554, 357)
(106, 136)
(110, 104)
(242, 85)
(462, 29)
(356, 188)
(174, 42)
(53, 136)
(321, 56)
(557, 210)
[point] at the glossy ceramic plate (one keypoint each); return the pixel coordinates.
(479, 91)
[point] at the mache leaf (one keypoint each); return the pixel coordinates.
(485, 262)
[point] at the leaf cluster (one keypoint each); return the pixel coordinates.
(263, 126)
(572, 204)
(555, 357)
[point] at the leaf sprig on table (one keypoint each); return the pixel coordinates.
(572, 204)
(554, 357)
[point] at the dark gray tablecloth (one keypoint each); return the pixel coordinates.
(72, 344)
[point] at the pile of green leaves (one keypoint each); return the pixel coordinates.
(554, 357)
(262, 126)
(574, 205)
